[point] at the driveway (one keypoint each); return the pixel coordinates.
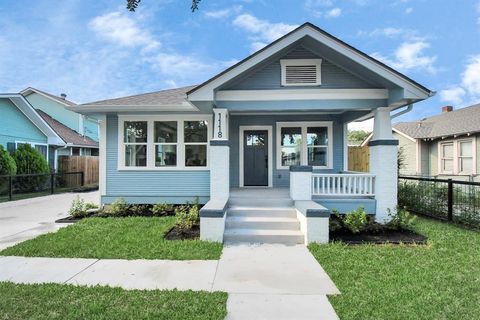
(25, 219)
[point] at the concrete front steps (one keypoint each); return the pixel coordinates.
(262, 224)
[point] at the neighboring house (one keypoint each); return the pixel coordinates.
(21, 123)
(276, 122)
(445, 146)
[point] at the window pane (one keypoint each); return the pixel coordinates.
(165, 131)
(447, 165)
(196, 155)
(447, 150)
(291, 136)
(75, 151)
(135, 131)
(317, 136)
(317, 156)
(196, 131)
(291, 156)
(466, 149)
(255, 139)
(466, 165)
(42, 150)
(165, 155)
(135, 155)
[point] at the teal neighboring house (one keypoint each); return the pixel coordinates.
(40, 119)
(262, 144)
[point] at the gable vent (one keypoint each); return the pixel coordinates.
(301, 72)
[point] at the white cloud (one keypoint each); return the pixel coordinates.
(123, 30)
(453, 95)
(262, 31)
(223, 13)
(471, 76)
(391, 32)
(409, 56)
(366, 125)
(333, 13)
(408, 10)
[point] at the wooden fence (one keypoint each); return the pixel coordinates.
(86, 164)
(358, 158)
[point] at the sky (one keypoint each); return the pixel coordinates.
(93, 50)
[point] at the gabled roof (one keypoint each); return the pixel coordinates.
(308, 29)
(458, 122)
(30, 90)
(68, 135)
(27, 109)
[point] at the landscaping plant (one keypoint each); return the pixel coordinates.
(401, 218)
(7, 167)
(79, 207)
(29, 161)
(118, 208)
(162, 209)
(187, 217)
(356, 221)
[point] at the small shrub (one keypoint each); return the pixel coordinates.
(401, 219)
(30, 161)
(77, 209)
(118, 208)
(335, 222)
(186, 217)
(162, 209)
(7, 167)
(356, 221)
(139, 210)
(90, 205)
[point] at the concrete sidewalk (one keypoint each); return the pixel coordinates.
(263, 281)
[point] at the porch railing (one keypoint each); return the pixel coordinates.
(343, 184)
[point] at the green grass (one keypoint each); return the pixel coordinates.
(116, 238)
(54, 301)
(437, 281)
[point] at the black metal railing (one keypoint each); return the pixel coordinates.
(13, 187)
(445, 199)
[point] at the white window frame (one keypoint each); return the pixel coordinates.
(304, 150)
(150, 119)
(33, 144)
(284, 63)
(456, 156)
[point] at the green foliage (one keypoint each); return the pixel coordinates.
(357, 135)
(162, 209)
(90, 205)
(138, 210)
(30, 161)
(356, 220)
(79, 207)
(7, 163)
(401, 219)
(117, 208)
(187, 217)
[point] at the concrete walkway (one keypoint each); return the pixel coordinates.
(21, 220)
(263, 281)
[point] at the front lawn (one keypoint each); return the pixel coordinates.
(116, 238)
(54, 301)
(437, 281)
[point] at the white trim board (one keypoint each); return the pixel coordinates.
(301, 94)
(242, 130)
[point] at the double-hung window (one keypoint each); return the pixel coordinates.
(163, 142)
(304, 143)
(457, 157)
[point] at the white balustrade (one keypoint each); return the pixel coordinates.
(343, 184)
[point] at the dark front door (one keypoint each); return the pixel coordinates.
(255, 158)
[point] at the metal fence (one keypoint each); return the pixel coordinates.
(445, 199)
(13, 187)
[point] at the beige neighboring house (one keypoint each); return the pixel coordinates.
(444, 146)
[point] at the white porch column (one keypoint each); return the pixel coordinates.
(220, 157)
(383, 164)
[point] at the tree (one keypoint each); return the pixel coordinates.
(7, 167)
(30, 161)
(357, 135)
(133, 4)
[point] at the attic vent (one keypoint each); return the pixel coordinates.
(301, 72)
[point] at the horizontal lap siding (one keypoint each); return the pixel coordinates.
(269, 76)
(281, 178)
(162, 184)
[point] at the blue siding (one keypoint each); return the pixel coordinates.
(348, 205)
(150, 186)
(15, 126)
(281, 178)
(269, 76)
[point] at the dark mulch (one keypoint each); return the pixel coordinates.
(403, 236)
(176, 234)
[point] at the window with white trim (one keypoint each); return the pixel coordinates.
(457, 157)
(304, 143)
(163, 143)
(301, 72)
(42, 148)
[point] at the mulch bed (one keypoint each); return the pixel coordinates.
(176, 234)
(380, 237)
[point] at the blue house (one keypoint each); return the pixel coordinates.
(263, 144)
(27, 119)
